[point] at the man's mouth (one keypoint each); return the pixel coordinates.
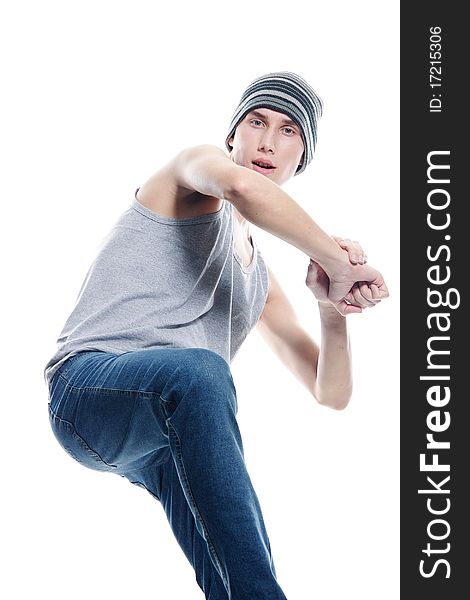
(263, 166)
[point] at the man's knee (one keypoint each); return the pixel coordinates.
(204, 377)
(209, 365)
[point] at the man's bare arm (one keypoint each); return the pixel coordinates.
(208, 170)
(326, 371)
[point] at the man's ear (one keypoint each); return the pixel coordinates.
(230, 141)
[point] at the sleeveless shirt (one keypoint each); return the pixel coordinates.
(161, 281)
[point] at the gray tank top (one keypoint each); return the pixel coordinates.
(165, 282)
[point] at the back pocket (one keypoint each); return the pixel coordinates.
(75, 446)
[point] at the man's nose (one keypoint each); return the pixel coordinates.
(266, 142)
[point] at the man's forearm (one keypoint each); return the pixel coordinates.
(265, 204)
(334, 369)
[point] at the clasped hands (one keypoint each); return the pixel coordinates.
(353, 287)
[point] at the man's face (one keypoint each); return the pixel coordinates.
(268, 137)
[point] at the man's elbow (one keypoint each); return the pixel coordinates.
(237, 187)
(244, 189)
(337, 400)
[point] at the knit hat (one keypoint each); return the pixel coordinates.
(288, 93)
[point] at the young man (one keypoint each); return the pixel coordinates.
(140, 384)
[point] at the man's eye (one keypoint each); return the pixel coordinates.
(256, 122)
(289, 130)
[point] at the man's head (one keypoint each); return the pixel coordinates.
(275, 121)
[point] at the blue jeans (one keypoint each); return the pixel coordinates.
(165, 419)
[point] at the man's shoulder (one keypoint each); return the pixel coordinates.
(162, 194)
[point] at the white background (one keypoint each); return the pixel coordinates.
(96, 96)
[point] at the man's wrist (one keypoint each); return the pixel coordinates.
(336, 265)
(329, 315)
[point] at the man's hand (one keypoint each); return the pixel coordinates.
(351, 286)
(354, 249)
(366, 285)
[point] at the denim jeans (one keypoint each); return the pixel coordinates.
(165, 419)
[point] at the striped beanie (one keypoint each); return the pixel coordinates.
(288, 93)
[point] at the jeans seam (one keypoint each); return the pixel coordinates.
(108, 389)
(187, 488)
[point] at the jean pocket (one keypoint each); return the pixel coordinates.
(75, 445)
(69, 364)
